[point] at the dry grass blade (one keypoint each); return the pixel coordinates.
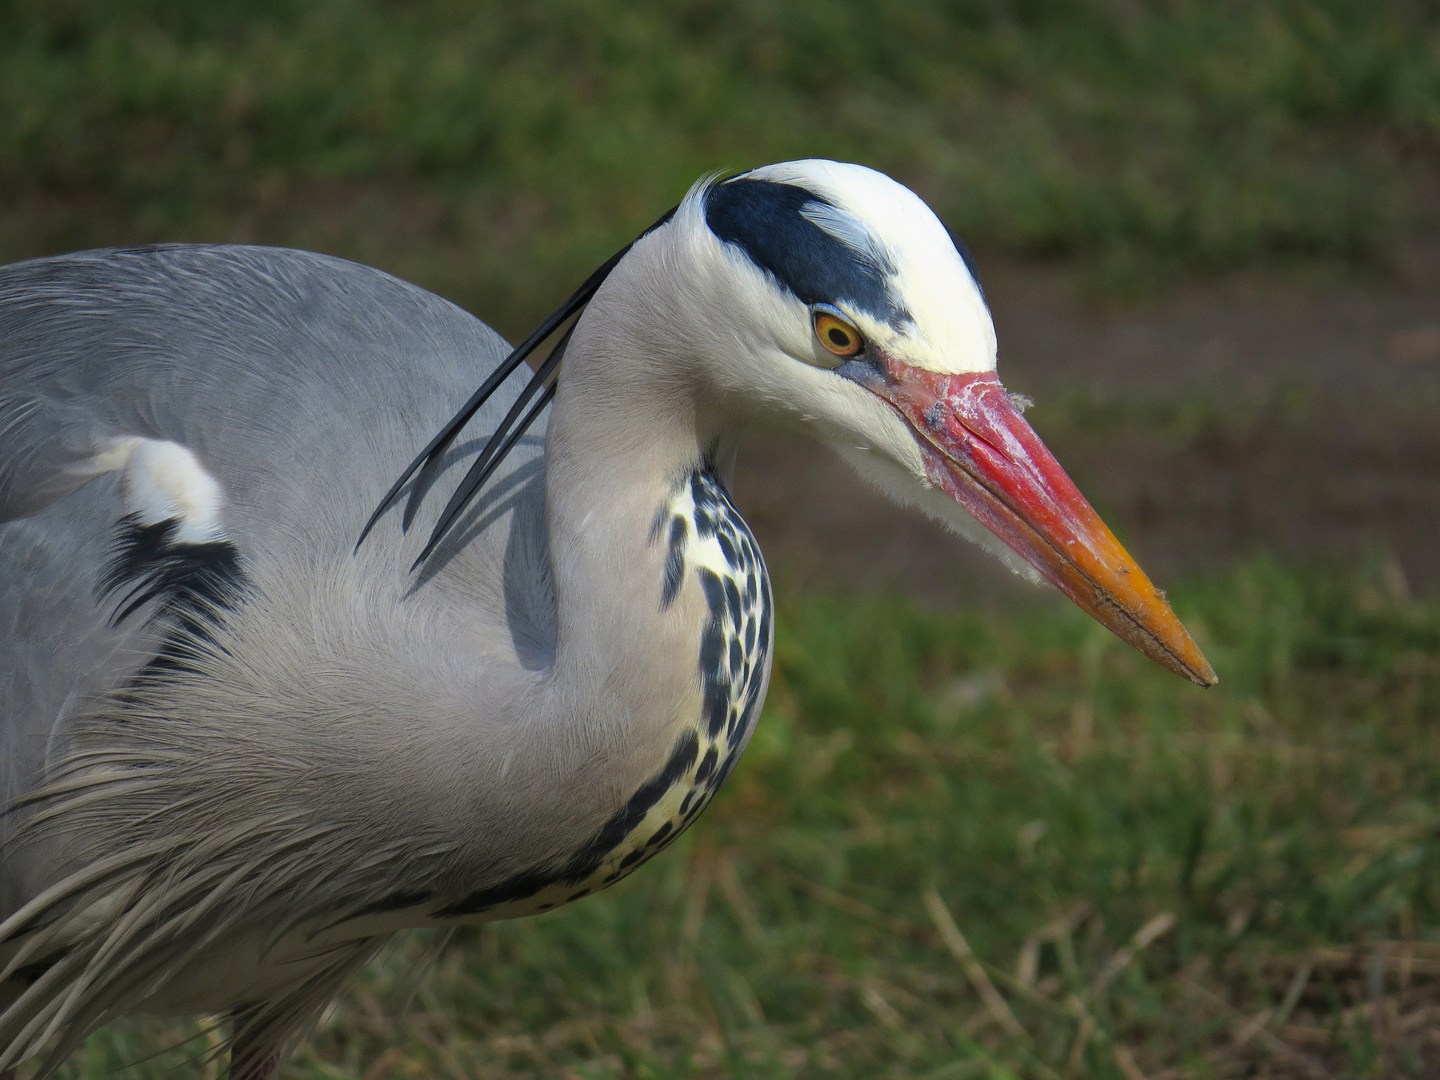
(875, 1001)
(1412, 957)
(1376, 987)
(1082, 1037)
(841, 902)
(696, 897)
(1155, 928)
(1292, 997)
(739, 900)
(1360, 959)
(384, 1063)
(960, 949)
(1306, 1064)
(1027, 965)
(1252, 1026)
(1127, 1064)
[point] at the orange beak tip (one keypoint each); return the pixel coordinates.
(980, 451)
(1201, 673)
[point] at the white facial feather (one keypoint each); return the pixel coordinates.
(849, 230)
(751, 339)
(688, 292)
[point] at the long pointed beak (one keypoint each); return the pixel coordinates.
(979, 449)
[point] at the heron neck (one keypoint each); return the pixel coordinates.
(662, 615)
(620, 446)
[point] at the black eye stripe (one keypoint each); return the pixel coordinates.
(765, 220)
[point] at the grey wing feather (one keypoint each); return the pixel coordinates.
(302, 383)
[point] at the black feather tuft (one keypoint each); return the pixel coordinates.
(506, 435)
(188, 582)
(766, 220)
(503, 439)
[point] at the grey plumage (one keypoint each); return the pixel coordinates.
(189, 344)
(310, 762)
(238, 752)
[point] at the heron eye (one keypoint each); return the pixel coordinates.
(837, 335)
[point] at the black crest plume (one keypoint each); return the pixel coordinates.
(537, 394)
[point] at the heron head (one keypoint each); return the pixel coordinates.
(826, 296)
(830, 297)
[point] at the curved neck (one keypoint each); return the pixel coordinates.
(618, 448)
(663, 631)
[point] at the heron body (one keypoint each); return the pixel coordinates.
(239, 752)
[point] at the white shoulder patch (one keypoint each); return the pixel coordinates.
(163, 480)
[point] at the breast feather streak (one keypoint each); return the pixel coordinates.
(704, 535)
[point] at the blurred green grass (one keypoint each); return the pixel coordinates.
(1061, 795)
(495, 152)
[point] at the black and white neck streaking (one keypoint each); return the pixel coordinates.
(273, 748)
(704, 539)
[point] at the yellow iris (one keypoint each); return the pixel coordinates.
(837, 335)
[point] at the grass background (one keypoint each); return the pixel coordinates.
(1156, 882)
(497, 151)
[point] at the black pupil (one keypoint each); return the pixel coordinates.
(839, 338)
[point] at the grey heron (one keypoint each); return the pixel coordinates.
(241, 749)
